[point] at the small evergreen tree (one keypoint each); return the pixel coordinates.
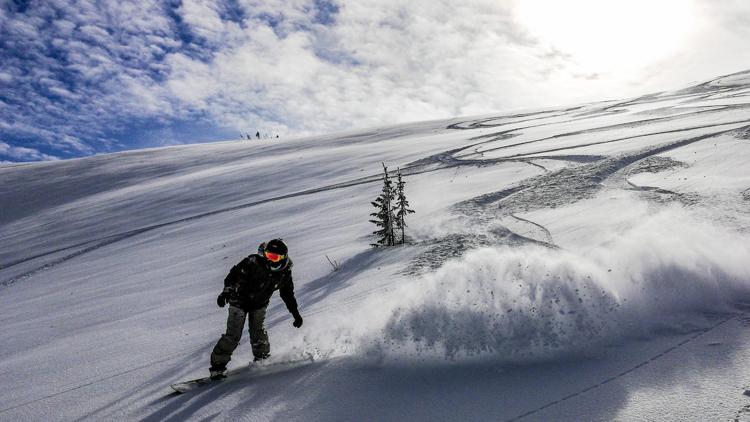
(401, 207)
(384, 217)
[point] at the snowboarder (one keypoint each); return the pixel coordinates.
(248, 289)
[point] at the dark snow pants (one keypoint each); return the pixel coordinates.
(222, 352)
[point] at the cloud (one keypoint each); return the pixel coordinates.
(204, 19)
(74, 74)
(10, 153)
(80, 77)
(378, 62)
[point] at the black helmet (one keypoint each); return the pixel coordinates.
(275, 251)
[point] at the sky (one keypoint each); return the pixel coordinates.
(85, 77)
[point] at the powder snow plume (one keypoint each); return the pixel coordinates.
(535, 303)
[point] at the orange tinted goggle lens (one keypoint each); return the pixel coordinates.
(274, 257)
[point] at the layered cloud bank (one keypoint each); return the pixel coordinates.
(83, 77)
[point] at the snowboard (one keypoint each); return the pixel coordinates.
(185, 386)
(252, 369)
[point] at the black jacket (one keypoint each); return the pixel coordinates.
(253, 283)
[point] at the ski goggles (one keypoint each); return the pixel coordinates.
(274, 257)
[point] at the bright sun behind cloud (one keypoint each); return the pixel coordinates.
(605, 35)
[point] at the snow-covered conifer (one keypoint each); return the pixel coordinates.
(383, 217)
(401, 208)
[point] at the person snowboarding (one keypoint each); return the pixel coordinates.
(248, 289)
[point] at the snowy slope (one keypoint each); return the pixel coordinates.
(580, 263)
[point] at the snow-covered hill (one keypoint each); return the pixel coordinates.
(580, 263)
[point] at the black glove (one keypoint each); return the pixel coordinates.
(223, 297)
(297, 321)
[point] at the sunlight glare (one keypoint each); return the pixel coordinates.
(604, 35)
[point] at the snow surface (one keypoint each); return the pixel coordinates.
(580, 263)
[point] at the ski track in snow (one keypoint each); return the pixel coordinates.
(100, 243)
(609, 141)
(445, 160)
(569, 184)
(98, 380)
(624, 373)
(546, 232)
(660, 191)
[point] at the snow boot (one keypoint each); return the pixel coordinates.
(217, 373)
(261, 357)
